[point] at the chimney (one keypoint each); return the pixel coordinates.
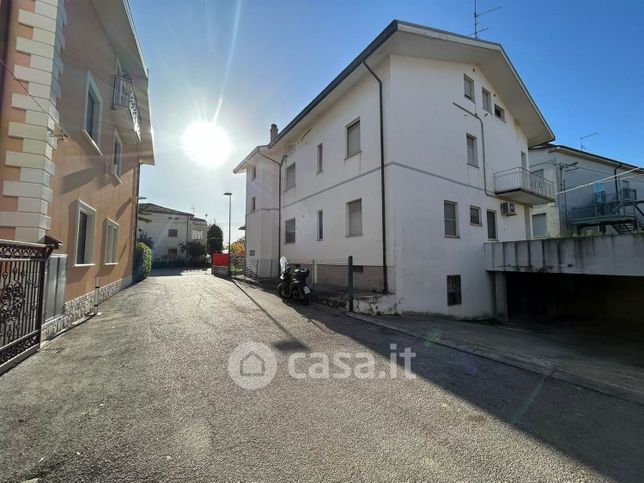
(273, 132)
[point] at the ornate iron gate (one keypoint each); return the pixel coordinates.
(22, 277)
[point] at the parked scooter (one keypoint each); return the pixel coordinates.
(293, 282)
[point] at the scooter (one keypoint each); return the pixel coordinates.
(293, 282)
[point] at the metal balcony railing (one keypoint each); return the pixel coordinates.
(605, 205)
(520, 179)
(125, 97)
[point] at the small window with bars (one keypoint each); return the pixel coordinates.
(173, 233)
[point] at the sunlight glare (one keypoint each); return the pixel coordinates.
(206, 143)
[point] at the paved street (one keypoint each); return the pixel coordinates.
(142, 392)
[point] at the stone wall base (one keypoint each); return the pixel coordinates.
(76, 309)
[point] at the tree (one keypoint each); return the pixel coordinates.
(215, 238)
(194, 250)
(238, 247)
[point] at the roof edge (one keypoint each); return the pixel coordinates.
(578, 152)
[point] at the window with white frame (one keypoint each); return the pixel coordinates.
(117, 155)
(93, 110)
(468, 87)
(320, 225)
(111, 242)
(472, 150)
(197, 234)
(289, 231)
(290, 177)
(475, 215)
(353, 138)
(354, 218)
(539, 225)
(487, 100)
(320, 151)
(451, 218)
(491, 225)
(85, 222)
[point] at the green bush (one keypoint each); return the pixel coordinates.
(142, 261)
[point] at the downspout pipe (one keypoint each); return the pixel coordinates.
(279, 202)
(616, 182)
(382, 179)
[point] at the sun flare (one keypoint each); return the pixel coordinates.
(206, 143)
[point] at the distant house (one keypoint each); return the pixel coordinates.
(594, 193)
(412, 159)
(169, 229)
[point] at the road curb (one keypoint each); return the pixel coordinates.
(546, 370)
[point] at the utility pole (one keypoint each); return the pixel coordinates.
(230, 197)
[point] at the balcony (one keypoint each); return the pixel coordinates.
(521, 186)
(124, 101)
(608, 209)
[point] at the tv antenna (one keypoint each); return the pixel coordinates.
(478, 15)
(581, 140)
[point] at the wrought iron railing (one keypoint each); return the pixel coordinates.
(22, 276)
(521, 179)
(125, 96)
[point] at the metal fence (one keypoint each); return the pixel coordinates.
(22, 272)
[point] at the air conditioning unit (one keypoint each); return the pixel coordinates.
(508, 209)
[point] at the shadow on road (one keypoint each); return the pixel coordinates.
(599, 431)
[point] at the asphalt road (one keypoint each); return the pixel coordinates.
(143, 392)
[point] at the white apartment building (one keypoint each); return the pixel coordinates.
(410, 160)
(594, 193)
(169, 229)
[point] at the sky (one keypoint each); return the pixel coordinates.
(243, 65)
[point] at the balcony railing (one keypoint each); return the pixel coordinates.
(604, 206)
(519, 184)
(125, 97)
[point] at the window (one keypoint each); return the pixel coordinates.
(468, 90)
(111, 242)
(93, 107)
(251, 253)
(539, 225)
(172, 252)
(472, 151)
(289, 231)
(197, 234)
(453, 290)
(487, 100)
(499, 112)
(354, 218)
(524, 160)
(353, 138)
(86, 217)
(491, 224)
(320, 225)
(253, 204)
(475, 215)
(451, 223)
(253, 173)
(320, 158)
(599, 187)
(290, 177)
(173, 233)
(117, 155)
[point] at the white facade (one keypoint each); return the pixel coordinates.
(169, 230)
(578, 175)
(427, 119)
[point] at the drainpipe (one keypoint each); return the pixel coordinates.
(474, 114)
(616, 182)
(382, 179)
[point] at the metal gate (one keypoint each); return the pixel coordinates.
(22, 277)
